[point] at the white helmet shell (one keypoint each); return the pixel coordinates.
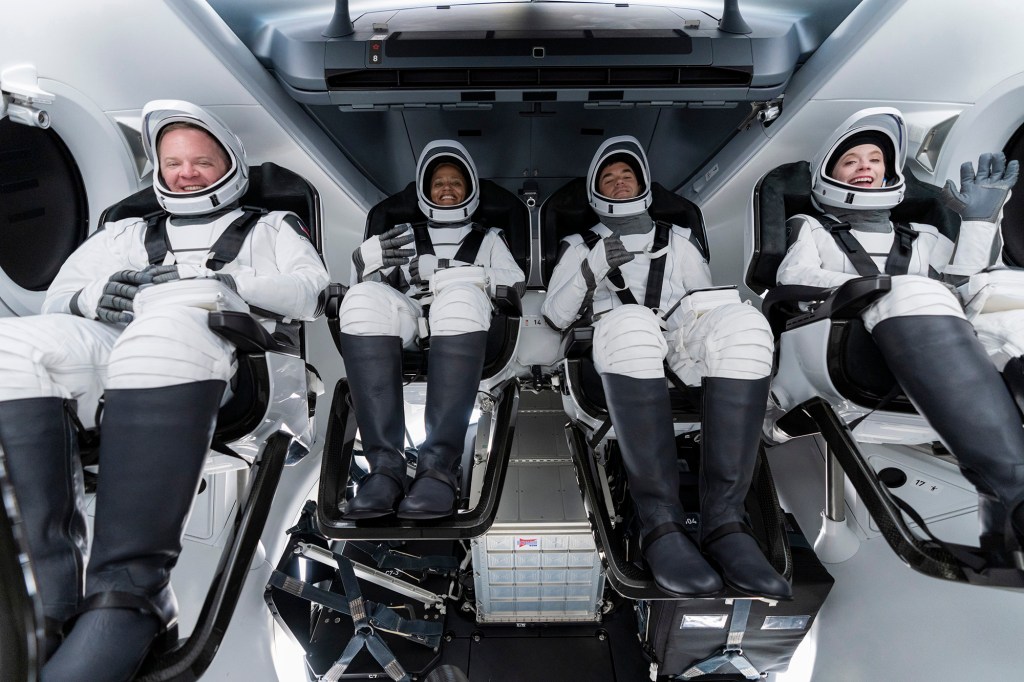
(826, 191)
(433, 155)
(633, 154)
(160, 113)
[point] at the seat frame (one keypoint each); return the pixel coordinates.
(591, 437)
(495, 430)
(271, 431)
(824, 341)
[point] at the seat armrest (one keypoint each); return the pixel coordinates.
(246, 333)
(577, 342)
(507, 300)
(846, 301)
(333, 295)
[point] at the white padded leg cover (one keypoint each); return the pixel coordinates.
(732, 341)
(629, 341)
(375, 309)
(169, 346)
(1002, 335)
(913, 295)
(55, 356)
(460, 308)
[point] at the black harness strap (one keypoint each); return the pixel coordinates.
(468, 250)
(896, 263)
(862, 262)
(422, 239)
(223, 251)
(655, 274)
(470, 246)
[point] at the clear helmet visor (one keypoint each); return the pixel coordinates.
(159, 114)
(626, 150)
(882, 126)
(443, 161)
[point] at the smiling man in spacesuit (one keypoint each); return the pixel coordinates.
(920, 325)
(727, 348)
(443, 273)
(162, 375)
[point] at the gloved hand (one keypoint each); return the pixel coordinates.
(116, 303)
(161, 274)
(607, 254)
(384, 250)
(422, 268)
(982, 194)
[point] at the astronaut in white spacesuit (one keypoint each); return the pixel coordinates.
(628, 274)
(440, 286)
(949, 369)
(162, 375)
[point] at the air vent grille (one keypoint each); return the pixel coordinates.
(546, 77)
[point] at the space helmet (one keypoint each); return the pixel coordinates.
(434, 155)
(881, 126)
(160, 113)
(628, 150)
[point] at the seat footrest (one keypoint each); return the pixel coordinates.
(337, 463)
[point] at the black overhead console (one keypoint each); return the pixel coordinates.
(600, 54)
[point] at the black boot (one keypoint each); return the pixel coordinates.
(373, 365)
(730, 436)
(1013, 377)
(153, 443)
(992, 529)
(453, 376)
(641, 413)
(946, 373)
(41, 448)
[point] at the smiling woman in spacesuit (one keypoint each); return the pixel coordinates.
(920, 325)
(444, 280)
(162, 375)
(726, 348)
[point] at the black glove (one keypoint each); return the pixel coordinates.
(116, 302)
(981, 194)
(384, 250)
(607, 255)
(422, 268)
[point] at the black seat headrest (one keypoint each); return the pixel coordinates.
(270, 186)
(567, 212)
(786, 191)
(498, 208)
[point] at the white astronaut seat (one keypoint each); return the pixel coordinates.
(486, 455)
(831, 378)
(591, 438)
(266, 424)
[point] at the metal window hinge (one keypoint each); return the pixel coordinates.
(763, 112)
(22, 96)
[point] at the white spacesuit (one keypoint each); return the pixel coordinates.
(920, 325)
(641, 284)
(440, 286)
(162, 375)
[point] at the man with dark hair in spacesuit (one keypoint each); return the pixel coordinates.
(441, 286)
(162, 375)
(726, 348)
(948, 368)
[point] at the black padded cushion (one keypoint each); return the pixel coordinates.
(498, 208)
(567, 212)
(270, 186)
(1013, 212)
(786, 191)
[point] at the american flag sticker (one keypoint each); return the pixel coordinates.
(528, 542)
